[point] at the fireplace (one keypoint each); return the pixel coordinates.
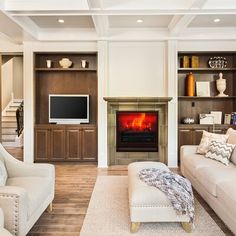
(145, 138)
(137, 131)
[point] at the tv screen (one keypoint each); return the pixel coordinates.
(68, 109)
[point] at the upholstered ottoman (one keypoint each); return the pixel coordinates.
(149, 204)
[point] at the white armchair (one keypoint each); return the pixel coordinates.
(3, 232)
(28, 192)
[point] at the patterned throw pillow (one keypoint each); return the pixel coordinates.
(220, 151)
(3, 174)
(206, 140)
(232, 140)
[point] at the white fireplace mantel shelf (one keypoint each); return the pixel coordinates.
(137, 99)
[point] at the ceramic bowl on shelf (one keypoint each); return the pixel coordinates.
(188, 120)
(65, 63)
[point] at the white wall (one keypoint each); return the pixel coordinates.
(18, 77)
(137, 69)
(7, 82)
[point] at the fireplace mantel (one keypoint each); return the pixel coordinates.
(137, 99)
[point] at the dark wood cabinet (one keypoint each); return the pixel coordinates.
(194, 106)
(65, 143)
(42, 143)
(73, 143)
(55, 142)
(89, 141)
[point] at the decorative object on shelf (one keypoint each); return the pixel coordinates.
(190, 85)
(217, 62)
(221, 86)
(227, 119)
(49, 63)
(84, 63)
(184, 62)
(65, 63)
(203, 89)
(188, 120)
(217, 116)
(206, 119)
(233, 118)
(194, 61)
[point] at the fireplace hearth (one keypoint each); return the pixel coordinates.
(137, 131)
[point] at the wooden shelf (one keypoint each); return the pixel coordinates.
(65, 69)
(182, 70)
(205, 98)
(195, 126)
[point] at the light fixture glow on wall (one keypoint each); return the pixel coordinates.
(139, 21)
(61, 21)
(216, 20)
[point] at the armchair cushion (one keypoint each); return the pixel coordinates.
(37, 189)
(3, 174)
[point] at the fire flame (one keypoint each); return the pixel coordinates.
(137, 121)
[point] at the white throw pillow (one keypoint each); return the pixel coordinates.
(206, 140)
(232, 140)
(220, 151)
(3, 174)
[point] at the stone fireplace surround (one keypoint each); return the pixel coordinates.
(159, 104)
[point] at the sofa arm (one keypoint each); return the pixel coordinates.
(14, 203)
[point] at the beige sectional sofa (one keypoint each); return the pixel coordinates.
(214, 181)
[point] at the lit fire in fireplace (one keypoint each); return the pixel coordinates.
(137, 131)
(137, 121)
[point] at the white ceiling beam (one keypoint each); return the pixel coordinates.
(44, 5)
(124, 12)
(179, 23)
(101, 22)
(27, 25)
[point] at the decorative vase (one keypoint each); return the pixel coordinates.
(190, 85)
(221, 86)
(49, 63)
(65, 63)
(83, 63)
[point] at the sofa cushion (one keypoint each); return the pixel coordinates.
(206, 140)
(226, 193)
(37, 188)
(220, 151)
(209, 177)
(3, 174)
(192, 162)
(232, 139)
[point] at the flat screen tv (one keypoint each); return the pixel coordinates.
(68, 108)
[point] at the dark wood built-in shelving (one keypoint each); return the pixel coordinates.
(55, 142)
(193, 106)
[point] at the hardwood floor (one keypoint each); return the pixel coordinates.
(74, 186)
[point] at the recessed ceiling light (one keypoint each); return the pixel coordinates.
(139, 21)
(61, 21)
(216, 20)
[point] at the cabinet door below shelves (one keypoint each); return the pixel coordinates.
(185, 137)
(57, 144)
(89, 144)
(73, 144)
(42, 144)
(197, 135)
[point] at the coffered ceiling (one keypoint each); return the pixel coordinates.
(117, 19)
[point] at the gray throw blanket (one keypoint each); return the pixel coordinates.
(177, 189)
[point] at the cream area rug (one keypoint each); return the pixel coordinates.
(108, 214)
